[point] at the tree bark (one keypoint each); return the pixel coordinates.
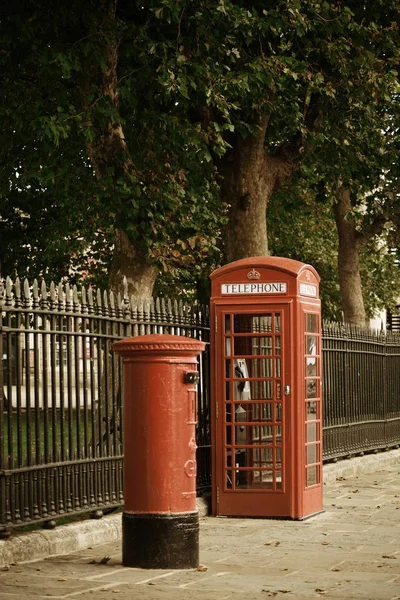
(248, 178)
(109, 152)
(130, 261)
(349, 260)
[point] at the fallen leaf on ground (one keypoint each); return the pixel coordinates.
(325, 543)
(202, 568)
(62, 579)
(389, 556)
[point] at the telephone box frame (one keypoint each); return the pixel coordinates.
(283, 296)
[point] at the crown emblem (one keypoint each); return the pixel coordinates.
(253, 274)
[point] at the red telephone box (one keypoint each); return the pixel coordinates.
(266, 373)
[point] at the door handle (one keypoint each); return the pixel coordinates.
(286, 390)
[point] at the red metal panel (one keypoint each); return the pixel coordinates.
(276, 468)
(160, 418)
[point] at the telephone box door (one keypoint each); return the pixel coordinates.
(253, 410)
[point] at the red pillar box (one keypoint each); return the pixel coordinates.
(160, 525)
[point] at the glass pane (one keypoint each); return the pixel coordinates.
(311, 385)
(253, 323)
(266, 412)
(228, 391)
(277, 367)
(263, 457)
(311, 411)
(278, 457)
(260, 434)
(278, 408)
(278, 480)
(277, 344)
(311, 454)
(312, 432)
(261, 367)
(261, 390)
(311, 344)
(243, 346)
(241, 434)
(228, 435)
(259, 345)
(228, 346)
(311, 364)
(229, 479)
(227, 323)
(277, 323)
(311, 323)
(312, 475)
(278, 434)
(228, 367)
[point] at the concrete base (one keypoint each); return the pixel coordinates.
(160, 541)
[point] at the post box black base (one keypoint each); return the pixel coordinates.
(159, 541)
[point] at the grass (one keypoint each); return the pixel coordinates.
(36, 440)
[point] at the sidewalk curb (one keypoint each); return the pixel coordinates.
(78, 536)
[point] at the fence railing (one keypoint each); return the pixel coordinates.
(61, 412)
(361, 389)
(61, 416)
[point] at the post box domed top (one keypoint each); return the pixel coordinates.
(277, 263)
(159, 343)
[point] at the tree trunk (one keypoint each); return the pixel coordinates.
(349, 261)
(248, 178)
(130, 261)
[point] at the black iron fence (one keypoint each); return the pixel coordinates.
(61, 413)
(361, 384)
(61, 416)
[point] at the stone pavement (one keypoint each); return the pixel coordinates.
(349, 552)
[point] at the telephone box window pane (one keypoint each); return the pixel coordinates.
(312, 323)
(278, 408)
(311, 363)
(311, 388)
(277, 367)
(266, 437)
(277, 323)
(311, 342)
(262, 367)
(278, 434)
(267, 457)
(265, 323)
(241, 414)
(311, 454)
(278, 457)
(228, 391)
(259, 346)
(229, 479)
(311, 411)
(312, 432)
(312, 476)
(241, 435)
(261, 390)
(227, 323)
(266, 412)
(277, 344)
(244, 323)
(228, 435)
(228, 346)
(228, 365)
(278, 480)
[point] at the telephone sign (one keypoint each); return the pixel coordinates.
(266, 404)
